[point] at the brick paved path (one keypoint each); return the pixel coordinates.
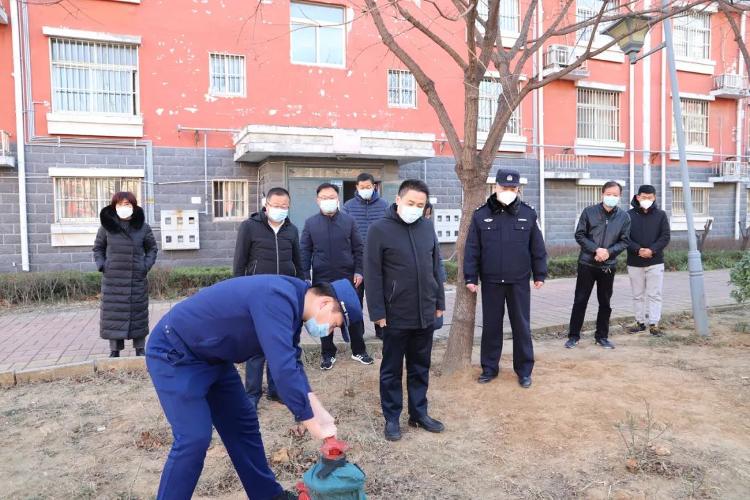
(65, 334)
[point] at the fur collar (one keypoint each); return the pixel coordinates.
(111, 221)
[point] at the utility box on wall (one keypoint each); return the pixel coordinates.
(179, 230)
(446, 223)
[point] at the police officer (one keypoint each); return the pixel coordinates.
(191, 355)
(504, 249)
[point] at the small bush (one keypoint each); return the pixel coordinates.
(739, 276)
(451, 270)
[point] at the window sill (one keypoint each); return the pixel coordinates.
(319, 65)
(588, 147)
(679, 223)
(509, 40)
(73, 234)
(704, 67)
(694, 153)
(612, 54)
(95, 124)
(511, 142)
(402, 106)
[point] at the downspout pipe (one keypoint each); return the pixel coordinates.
(540, 121)
(740, 132)
(631, 129)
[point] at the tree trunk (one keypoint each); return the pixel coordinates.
(461, 337)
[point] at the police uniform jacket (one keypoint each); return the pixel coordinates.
(504, 244)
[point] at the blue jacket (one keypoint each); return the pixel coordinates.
(365, 212)
(504, 244)
(238, 318)
(332, 247)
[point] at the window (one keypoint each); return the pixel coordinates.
(94, 77)
(587, 196)
(489, 93)
(230, 200)
(695, 121)
(589, 9)
(227, 75)
(317, 34)
(508, 17)
(80, 199)
(692, 35)
(598, 115)
(700, 202)
(402, 89)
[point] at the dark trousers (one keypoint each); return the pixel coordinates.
(196, 395)
(517, 296)
(356, 336)
(416, 347)
(604, 279)
(361, 294)
(119, 344)
(254, 378)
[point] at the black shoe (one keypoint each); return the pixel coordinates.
(485, 378)
(140, 351)
(656, 331)
(605, 343)
(524, 382)
(365, 358)
(571, 343)
(392, 430)
(114, 354)
(427, 423)
(327, 363)
(637, 328)
(273, 397)
(286, 495)
(379, 335)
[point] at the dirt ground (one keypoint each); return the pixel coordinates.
(678, 407)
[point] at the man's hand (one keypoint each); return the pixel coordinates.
(322, 424)
(298, 430)
(357, 280)
(602, 254)
(439, 313)
(646, 253)
(381, 323)
(472, 287)
(538, 284)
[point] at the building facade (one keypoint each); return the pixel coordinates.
(200, 107)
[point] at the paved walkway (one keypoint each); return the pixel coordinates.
(65, 334)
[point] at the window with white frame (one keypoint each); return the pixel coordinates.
(588, 10)
(700, 198)
(318, 34)
(80, 199)
(692, 35)
(94, 77)
(509, 18)
(587, 196)
(402, 89)
(489, 93)
(231, 200)
(695, 122)
(598, 115)
(226, 75)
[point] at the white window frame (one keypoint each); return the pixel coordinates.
(582, 13)
(225, 75)
(696, 150)
(401, 73)
(245, 209)
(505, 16)
(607, 144)
(701, 197)
(690, 27)
(318, 24)
(514, 123)
(101, 199)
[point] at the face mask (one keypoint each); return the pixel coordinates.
(124, 211)
(506, 197)
(329, 206)
(365, 194)
(611, 201)
(646, 204)
(410, 215)
(316, 329)
(277, 214)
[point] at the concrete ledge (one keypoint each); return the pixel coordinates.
(84, 369)
(7, 379)
(130, 364)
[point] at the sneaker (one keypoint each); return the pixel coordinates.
(656, 331)
(571, 343)
(365, 358)
(327, 363)
(637, 328)
(140, 351)
(605, 343)
(114, 354)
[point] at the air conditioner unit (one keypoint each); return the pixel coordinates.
(559, 55)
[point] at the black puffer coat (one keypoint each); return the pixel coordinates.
(260, 250)
(124, 251)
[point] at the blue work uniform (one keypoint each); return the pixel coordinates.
(191, 355)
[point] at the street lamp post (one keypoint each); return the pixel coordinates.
(630, 32)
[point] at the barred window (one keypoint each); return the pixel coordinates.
(231, 200)
(692, 35)
(317, 34)
(700, 202)
(94, 77)
(227, 75)
(598, 115)
(80, 199)
(402, 89)
(695, 122)
(509, 18)
(589, 9)
(587, 196)
(489, 93)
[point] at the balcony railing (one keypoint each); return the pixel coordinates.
(565, 162)
(733, 169)
(730, 86)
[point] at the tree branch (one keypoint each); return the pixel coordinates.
(729, 14)
(431, 35)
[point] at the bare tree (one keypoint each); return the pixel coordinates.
(732, 9)
(468, 33)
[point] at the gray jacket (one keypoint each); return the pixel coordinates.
(598, 228)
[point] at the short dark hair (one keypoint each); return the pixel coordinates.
(277, 191)
(123, 195)
(413, 185)
(327, 185)
(610, 184)
(647, 189)
(365, 176)
(324, 289)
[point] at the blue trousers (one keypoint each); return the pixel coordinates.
(196, 395)
(254, 378)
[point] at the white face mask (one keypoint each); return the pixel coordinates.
(507, 197)
(365, 194)
(646, 204)
(124, 211)
(329, 206)
(410, 215)
(611, 201)
(277, 214)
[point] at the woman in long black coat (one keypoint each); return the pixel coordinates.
(124, 251)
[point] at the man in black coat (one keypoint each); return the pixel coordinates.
(332, 248)
(405, 296)
(603, 232)
(504, 249)
(267, 243)
(649, 236)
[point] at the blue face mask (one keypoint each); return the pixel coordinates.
(611, 201)
(316, 329)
